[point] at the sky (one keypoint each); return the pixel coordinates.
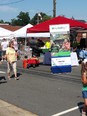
(10, 9)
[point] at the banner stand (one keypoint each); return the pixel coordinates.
(60, 48)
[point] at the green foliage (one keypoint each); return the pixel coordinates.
(22, 19)
(82, 21)
(75, 44)
(1, 21)
(46, 17)
(36, 19)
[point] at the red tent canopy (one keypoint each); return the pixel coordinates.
(44, 26)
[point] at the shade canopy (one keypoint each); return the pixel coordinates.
(22, 31)
(38, 34)
(4, 33)
(44, 26)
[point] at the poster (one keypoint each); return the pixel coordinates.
(60, 48)
(74, 59)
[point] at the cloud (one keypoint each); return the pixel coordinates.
(7, 9)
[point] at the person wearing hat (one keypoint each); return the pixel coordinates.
(84, 83)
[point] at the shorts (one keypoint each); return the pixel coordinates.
(10, 66)
(3, 53)
(84, 94)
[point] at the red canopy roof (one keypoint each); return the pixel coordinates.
(44, 26)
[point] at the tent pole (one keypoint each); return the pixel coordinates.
(25, 41)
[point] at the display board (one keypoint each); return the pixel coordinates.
(74, 59)
(60, 48)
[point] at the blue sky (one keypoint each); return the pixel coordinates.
(69, 8)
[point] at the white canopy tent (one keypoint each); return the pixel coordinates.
(4, 33)
(22, 31)
(38, 34)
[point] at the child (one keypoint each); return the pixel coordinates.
(84, 82)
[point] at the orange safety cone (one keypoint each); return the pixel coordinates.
(25, 63)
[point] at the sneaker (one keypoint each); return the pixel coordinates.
(1, 60)
(16, 78)
(83, 113)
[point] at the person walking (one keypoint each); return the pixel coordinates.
(11, 56)
(84, 83)
(4, 45)
(15, 44)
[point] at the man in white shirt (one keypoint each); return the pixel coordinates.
(4, 45)
(15, 44)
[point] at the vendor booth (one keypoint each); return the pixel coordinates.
(43, 29)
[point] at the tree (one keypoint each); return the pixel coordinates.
(1, 21)
(22, 19)
(39, 17)
(34, 20)
(82, 21)
(46, 17)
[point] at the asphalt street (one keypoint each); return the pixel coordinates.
(43, 93)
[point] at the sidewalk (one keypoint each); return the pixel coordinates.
(7, 109)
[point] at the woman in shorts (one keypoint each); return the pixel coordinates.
(11, 56)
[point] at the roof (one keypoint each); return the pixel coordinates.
(10, 27)
(44, 26)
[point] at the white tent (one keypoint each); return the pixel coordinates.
(22, 31)
(38, 34)
(4, 33)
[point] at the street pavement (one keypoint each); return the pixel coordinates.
(7, 109)
(11, 110)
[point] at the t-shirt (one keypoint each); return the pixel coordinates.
(4, 45)
(84, 88)
(15, 45)
(48, 45)
(11, 54)
(83, 54)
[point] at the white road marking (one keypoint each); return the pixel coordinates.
(2, 72)
(67, 111)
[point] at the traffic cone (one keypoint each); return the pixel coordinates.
(25, 63)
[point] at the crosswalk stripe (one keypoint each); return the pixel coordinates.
(67, 111)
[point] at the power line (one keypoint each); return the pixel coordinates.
(12, 2)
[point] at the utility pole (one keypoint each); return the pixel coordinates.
(54, 8)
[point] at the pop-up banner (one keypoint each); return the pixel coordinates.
(60, 48)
